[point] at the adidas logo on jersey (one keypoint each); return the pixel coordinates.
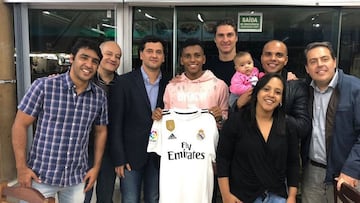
(172, 136)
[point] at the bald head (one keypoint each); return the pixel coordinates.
(110, 44)
(277, 43)
(111, 52)
(274, 56)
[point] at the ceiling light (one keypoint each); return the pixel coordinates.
(107, 25)
(149, 16)
(200, 18)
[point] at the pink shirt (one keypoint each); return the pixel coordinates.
(240, 82)
(205, 92)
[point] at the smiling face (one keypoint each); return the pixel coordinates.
(111, 56)
(320, 65)
(270, 96)
(193, 58)
(152, 56)
(83, 65)
(244, 64)
(274, 56)
(225, 39)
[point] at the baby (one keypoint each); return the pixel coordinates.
(245, 77)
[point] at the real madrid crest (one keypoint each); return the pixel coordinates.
(201, 134)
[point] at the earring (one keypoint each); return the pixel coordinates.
(280, 104)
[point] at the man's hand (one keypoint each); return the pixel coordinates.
(291, 76)
(53, 75)
(90, 178)
(25, 175)
(216, 112)
(347, 179)
(156, 114)
(244, 98)
(120, 170)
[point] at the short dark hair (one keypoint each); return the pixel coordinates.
(154, 39)
(192, 42)
(313, 45)
(83, 43)
(227, 21)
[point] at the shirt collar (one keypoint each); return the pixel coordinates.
(332, 83)
(146, 77)
(70, 84)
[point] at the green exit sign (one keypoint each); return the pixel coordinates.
(250, 22)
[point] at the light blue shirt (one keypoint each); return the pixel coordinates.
(152, 90)
(321, 100)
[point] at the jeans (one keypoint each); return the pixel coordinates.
(105, 181)
(313, 188)
(130, 185)
(65, 194)
(269, 197)
(215, 190)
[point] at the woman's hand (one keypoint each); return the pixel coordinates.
(244, 98)
(291, 199)
(230, 198)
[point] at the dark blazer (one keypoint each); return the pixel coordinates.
(130, 119)
(342, 129)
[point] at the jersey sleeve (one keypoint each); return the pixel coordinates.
(215, 133)
(155, 142)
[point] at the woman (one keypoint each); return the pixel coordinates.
(256, 157)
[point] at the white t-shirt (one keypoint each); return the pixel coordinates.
(186, 141)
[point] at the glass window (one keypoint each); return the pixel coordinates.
(350, 42)
(296, 26)
(153, 21)
(53, 32)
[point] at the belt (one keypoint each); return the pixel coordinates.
(317, 164)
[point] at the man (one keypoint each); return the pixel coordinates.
(225, 39)
(194, 89)
(332, 150)
(274, 57)
(132, 99)
(105, 77)
(65, 107)
(222, 65)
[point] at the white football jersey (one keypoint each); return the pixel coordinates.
(186, 140)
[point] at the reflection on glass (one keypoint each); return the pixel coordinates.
(350, 42)
(296, 26)
(157, 22)
(293, 25)
(53, 32)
